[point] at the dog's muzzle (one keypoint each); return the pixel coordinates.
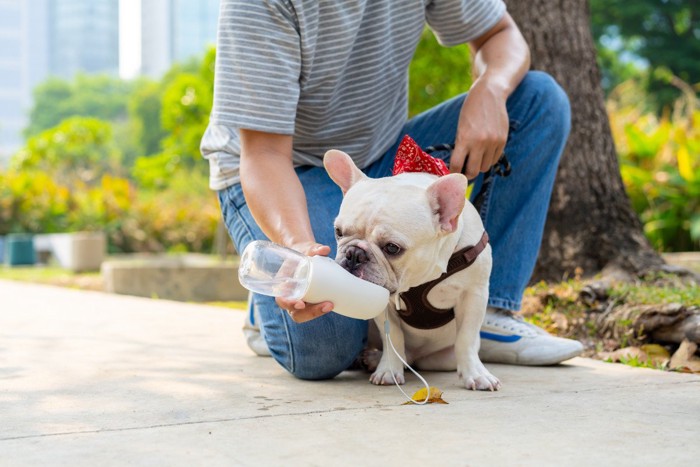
(354, 258)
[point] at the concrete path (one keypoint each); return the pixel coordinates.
(95, 379)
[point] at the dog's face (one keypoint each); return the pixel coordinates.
(392, 231)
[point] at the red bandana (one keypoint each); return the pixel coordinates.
(411, 158)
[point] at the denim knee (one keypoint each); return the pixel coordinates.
(545, 94)
(327, 359)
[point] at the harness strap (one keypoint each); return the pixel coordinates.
(418, 312)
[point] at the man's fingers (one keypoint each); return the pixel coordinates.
(301, 312)
(310, 312)
(302, 316)
(474, 164)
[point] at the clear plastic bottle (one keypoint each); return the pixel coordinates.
(271, 269)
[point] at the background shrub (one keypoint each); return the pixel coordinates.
(660, 165)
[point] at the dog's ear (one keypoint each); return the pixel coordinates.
(447, 196)
(342, 169)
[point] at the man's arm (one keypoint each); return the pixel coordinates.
(277, 202)
(501, 58)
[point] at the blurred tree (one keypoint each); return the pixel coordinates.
(78, 149)
(615, 71)
(185, 109)
(144, 108)
(97, 96)
(185, 100)
(591, 225)
(665, 33)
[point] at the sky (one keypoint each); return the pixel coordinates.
(129, 38)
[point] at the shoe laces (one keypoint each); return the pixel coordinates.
(507, 321)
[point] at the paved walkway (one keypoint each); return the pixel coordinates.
(94, 379)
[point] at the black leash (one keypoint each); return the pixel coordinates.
(501, 168)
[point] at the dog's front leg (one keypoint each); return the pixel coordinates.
(469, 314)
(390, 364)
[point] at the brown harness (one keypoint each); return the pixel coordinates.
(417, 311)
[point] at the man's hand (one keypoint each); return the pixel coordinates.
(482, 130)
(501, 59)
(299, 310)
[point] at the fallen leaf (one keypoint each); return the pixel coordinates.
(434, 396)
(684, 359)
(655, 351)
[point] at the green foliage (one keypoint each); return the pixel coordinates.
(97, 96)
(616, 71)
(170, 221)
(67, 177)
(437, 73)
(181, 219)
(185, 102)
(144, 108)
(664, 33)
(186, 105)
(660, 166)
(78, 148)
(32, 202)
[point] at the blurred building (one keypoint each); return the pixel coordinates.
(84, 37)
(24, 62)
(40, 38)
(174, 31)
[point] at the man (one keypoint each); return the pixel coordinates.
(295, 78)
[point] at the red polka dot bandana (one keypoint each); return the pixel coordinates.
(411, 158)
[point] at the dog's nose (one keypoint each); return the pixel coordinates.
(354, 256)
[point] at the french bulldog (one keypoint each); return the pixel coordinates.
(400, 232)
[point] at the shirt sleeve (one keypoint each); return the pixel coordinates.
(456, 22)
(258, 66)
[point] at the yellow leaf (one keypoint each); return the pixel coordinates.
(434, 397)
(655, 350)
(685, 166)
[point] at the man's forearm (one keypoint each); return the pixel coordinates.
(272, 189)
(502, 57)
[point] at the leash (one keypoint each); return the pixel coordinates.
(501, 168)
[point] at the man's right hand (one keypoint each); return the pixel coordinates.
(299, 310)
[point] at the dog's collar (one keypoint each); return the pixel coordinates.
(417, 311)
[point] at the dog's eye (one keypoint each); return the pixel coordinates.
(338, 233)
(392, 249)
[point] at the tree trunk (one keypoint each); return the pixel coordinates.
(590, 224)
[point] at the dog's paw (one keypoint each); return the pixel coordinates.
(370, 358)
(384, 377)
(479, 379)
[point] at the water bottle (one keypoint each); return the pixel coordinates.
(271, 269)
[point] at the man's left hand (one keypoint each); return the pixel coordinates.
(482, 130)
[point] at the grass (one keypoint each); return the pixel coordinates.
(241, 305)
(53, 275)
(562, 309)
(658, 288)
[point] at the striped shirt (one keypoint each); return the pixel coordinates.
(334, 74)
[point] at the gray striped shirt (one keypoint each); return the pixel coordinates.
(334, 74)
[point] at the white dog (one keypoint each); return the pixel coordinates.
(401, 232)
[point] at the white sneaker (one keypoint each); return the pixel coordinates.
(506, 338)
(251, 331)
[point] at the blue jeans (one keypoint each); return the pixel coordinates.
(513, 209)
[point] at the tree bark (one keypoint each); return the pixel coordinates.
(591, 226)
